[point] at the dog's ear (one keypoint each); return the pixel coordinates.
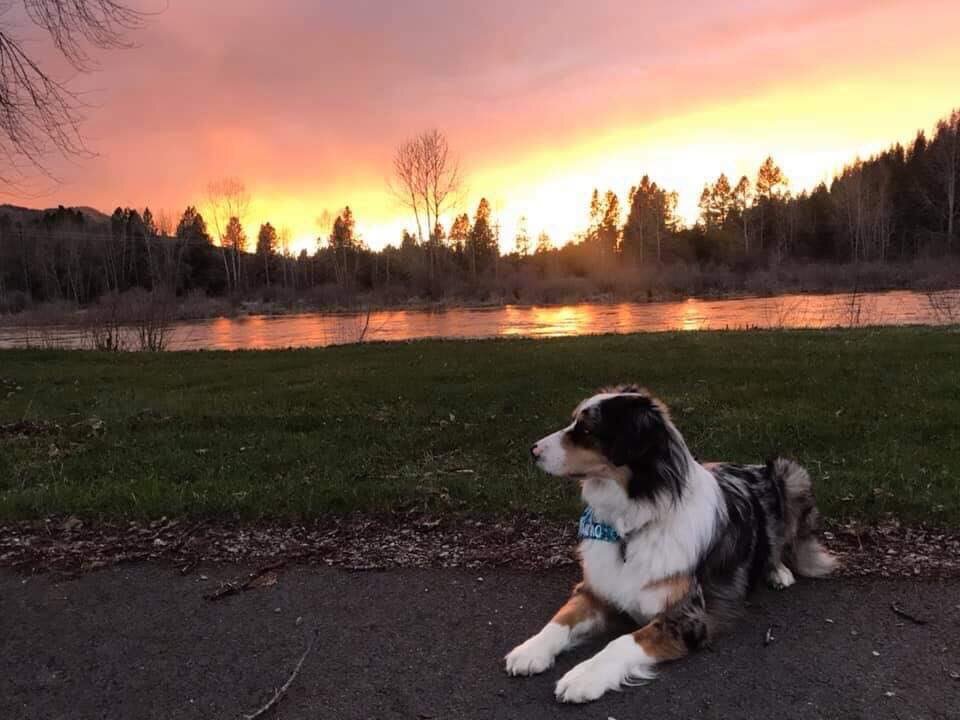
(634, 426)
(641, 440)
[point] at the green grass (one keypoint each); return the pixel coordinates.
(874, 414)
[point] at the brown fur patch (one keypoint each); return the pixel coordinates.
(581, 606)
(658, 642)
(675, 587)
(585, 461)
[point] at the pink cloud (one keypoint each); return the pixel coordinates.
(311, 97)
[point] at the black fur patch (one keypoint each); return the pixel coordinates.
(631, 431)
(749, 545)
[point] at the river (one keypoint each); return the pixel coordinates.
(322, 329)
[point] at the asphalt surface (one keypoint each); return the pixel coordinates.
(139, 641)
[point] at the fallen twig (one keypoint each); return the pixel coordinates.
(904, 614)
(768, 638)
(235, 586)
(286, 686)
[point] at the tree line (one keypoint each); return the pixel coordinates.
(897, 206)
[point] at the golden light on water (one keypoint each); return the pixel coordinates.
(315, 329)
(690, 316)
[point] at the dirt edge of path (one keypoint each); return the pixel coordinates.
(71, 546)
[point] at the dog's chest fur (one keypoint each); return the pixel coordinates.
(660, 546)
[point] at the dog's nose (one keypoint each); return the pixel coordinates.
(535, 451)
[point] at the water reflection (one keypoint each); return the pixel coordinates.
(690, 316)
(314, 330)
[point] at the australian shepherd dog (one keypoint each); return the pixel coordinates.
(670, 543)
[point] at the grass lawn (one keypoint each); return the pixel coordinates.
(874, 414)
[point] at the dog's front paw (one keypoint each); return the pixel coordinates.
(623, 660)
(538, 653)
(530, 657)
(588, 681)
(781, 578)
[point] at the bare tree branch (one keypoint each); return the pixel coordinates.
(407, 182)
(228, 198)
(75, 24)
(425, 178)
(39, 114)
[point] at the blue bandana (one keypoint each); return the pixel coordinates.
(591, 530)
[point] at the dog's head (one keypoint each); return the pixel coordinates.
(621, 435)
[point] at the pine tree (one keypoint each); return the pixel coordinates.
(235, 242)
(343, 243)
(609, 231)
(770, 186)
(234, 237)
(716, 203)
(544, 244)
(482, 246)
(192, 227)
(460, 233)
(266, 249)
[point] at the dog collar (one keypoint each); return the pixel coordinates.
(590, 529)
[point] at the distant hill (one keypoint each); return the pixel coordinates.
(25, 215)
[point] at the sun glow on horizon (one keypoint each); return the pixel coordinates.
(811, 130)
(536, 122)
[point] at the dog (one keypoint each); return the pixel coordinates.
(672, 544)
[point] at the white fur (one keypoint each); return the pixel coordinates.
(620, 661)
(781, 578)
(813, 560)
(537, 653)
(550, 454)
(665, 539)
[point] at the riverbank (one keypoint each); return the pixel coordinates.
(643, 285)
(443, 426)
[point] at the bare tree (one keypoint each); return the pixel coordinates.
(441, 174)
(228, 198)
(741, 206)
(324, 223)
(284, 240)
(406, 183)
(946, 164)
(426, 178)
(37, 112)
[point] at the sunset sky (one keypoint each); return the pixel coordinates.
(306, 100)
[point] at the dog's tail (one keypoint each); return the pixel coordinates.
(802, 546)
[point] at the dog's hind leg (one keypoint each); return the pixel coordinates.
(780, 577)
(804, 550)
(582, 616)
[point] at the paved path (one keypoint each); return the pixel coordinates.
(139, 642)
